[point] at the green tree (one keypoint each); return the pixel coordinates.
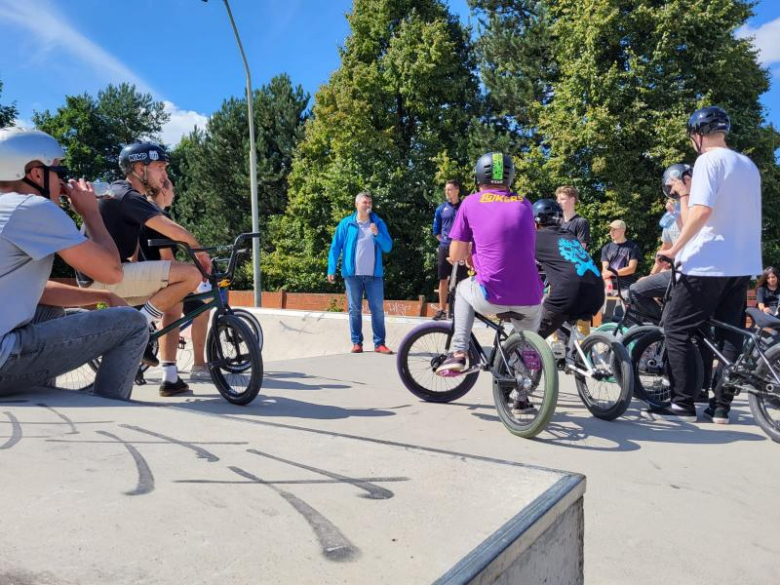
(390, 118)
(626, 75)
(7, 113)
(210, 167)
(93, 130)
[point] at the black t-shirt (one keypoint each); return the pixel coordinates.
(580, 227)
(571, 272)
(125, 212)
(619, 255)
(146, 234)
(768, 297)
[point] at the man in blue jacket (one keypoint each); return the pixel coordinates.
(363, 237)
(442, 223)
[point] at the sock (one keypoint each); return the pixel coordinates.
(151, 312)
(170, 374)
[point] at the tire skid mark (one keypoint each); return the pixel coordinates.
(69, 422)
(145, 475)
(16, 432)
(335, 546)
(373, 491)
(294, 481)
(201, 452)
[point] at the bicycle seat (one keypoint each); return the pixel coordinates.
(762, 320)
(509, 315)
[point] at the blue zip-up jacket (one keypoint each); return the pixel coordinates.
(346, 238)
(443, 220)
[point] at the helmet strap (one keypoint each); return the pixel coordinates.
(44, 191)
(149, 190)
(697, 143)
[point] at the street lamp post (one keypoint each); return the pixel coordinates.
(252, 166)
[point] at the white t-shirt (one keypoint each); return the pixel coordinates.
(729, 244)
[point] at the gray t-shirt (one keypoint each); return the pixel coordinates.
(365, 255)
(32, 230)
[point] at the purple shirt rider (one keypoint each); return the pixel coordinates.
(500, 226)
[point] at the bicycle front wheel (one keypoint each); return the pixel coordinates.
(422, 351)
(606, 393)
(254, 324)
(765, 404)
(525, 387)
(234, 359)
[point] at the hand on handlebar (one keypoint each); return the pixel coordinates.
(205, 260)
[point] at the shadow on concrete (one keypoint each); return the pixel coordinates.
(277, 406)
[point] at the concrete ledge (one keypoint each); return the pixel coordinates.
(542, 544)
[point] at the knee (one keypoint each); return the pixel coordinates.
(132, 318)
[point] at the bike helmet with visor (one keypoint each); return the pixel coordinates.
(675, 172)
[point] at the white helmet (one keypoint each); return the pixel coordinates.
(19, 147)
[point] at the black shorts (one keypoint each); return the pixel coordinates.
(445, 268)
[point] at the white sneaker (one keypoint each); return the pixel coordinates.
(200, 374)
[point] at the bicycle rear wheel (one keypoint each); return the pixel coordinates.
(525, 388)
(234, 359)
(82, 378)
(419, 354)
(765, 405)
(607, 393)
(651, 368)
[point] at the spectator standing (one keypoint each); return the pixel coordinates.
(35, 346)
(768, 291)
(443, 219)
(719, 248)
(620, 257)
(567, 197)
(363, 238)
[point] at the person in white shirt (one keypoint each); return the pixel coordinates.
(719, 249)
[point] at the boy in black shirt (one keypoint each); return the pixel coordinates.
(576, 289)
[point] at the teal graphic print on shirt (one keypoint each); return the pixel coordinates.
(573, 251)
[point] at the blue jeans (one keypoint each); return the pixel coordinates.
(374, 288)
(52, 346)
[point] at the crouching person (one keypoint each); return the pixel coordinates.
(33, 229)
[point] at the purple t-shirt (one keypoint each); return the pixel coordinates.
(500, 225)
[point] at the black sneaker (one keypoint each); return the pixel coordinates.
(702, 397)
(718, 415)
(174, 388)
(523, 408)
(149, 359)
(452, 366)
(440, 315)
(673, 413)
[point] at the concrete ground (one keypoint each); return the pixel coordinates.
(665, 502)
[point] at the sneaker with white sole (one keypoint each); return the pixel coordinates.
(452, 366)
(200, 374)
(673, 413)
(718, 415)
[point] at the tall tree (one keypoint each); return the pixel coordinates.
(7, 113)
(391, 119)
(93, 130)
(211, 166)
(627, 74)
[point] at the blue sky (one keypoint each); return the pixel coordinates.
(184, 52)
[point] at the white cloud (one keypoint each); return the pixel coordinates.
(181, 123)
(53, 34)
(766, 38)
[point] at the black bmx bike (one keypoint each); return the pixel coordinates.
(233, 350)
(756, 370)
(525, 378)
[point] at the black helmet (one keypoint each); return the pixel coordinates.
(674, 172)
(708, 120)
(495, 168)
(143, 152)
(547, 212)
